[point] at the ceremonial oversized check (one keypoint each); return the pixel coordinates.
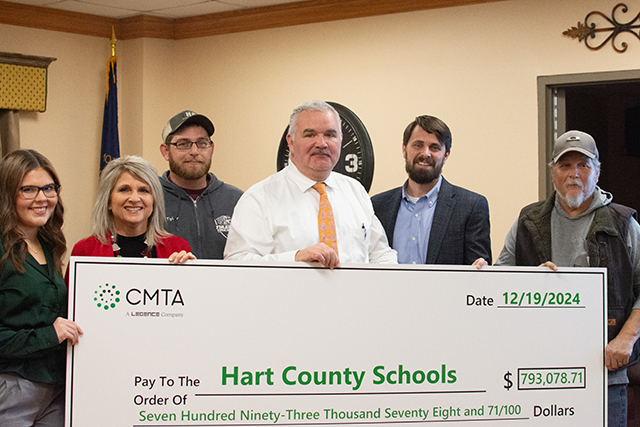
(227, 344)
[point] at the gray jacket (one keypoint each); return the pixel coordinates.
(203, 222)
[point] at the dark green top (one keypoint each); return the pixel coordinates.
(29, 304)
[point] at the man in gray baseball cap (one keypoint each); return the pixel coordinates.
(579, 226)
(575, 140)
(198, 205)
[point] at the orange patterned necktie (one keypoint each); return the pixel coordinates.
(326, 224)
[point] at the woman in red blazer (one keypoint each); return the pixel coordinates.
(128, 216)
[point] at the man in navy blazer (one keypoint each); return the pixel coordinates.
(428, 220)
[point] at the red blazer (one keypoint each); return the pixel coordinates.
(91, 246)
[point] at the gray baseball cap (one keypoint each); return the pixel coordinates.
(574, 140)
(183, 118)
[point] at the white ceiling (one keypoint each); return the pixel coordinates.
(163, 8)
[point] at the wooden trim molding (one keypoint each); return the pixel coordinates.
(281, 15)
(140, 26)
(45, 18)
(25, 60)
(298, 13)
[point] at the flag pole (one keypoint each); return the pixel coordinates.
(113, 41)
(110, 145)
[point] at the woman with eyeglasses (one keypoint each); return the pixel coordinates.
(33, 295)
(128, 216)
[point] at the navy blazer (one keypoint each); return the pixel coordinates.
(460, 229)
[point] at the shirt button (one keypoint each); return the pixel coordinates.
(413, 238)
(416, 215)
(414, 263)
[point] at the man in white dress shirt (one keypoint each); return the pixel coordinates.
(277, 218)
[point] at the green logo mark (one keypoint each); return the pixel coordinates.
(107, 296)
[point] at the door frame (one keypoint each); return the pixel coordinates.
(552, 117)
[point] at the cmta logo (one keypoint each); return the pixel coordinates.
(107, 296)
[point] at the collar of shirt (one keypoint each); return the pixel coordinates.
(431, 196)
(413, 226)
(304, 183)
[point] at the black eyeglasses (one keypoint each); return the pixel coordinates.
(31, 191)
(185, 144)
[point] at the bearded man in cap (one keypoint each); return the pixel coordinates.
(198, 205)
(579, 226)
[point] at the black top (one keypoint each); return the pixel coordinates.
(134, 247)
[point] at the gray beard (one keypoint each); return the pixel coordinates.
(576, 201)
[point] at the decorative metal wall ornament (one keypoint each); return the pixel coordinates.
(588, 30)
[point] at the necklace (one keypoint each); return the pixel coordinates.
(32, 247)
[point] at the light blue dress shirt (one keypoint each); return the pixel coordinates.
(413, 226)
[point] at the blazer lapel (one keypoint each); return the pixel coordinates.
(441, 217)
(389, 216)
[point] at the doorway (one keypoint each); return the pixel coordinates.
(606, 106)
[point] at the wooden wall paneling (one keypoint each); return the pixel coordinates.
(298, 13)
(282, 15)
(55, 19)
(145, 26)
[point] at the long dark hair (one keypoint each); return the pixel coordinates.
(13, 168)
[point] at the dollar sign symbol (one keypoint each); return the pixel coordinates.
(509, 383)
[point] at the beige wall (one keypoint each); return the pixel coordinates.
(475, 67)
(69, 132)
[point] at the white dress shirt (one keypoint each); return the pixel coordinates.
(278, 216)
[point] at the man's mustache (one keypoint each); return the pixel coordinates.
(574, 181)
(422, 159)
(321, 151)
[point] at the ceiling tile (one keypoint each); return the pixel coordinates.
(37, 2)
(143, 5)
(257, 3)
(165, 8)
(94, 9)
(197, 9)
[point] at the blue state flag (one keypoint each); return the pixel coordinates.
(110, 140)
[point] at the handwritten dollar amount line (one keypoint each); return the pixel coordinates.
(547, 378)
(545, 299)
